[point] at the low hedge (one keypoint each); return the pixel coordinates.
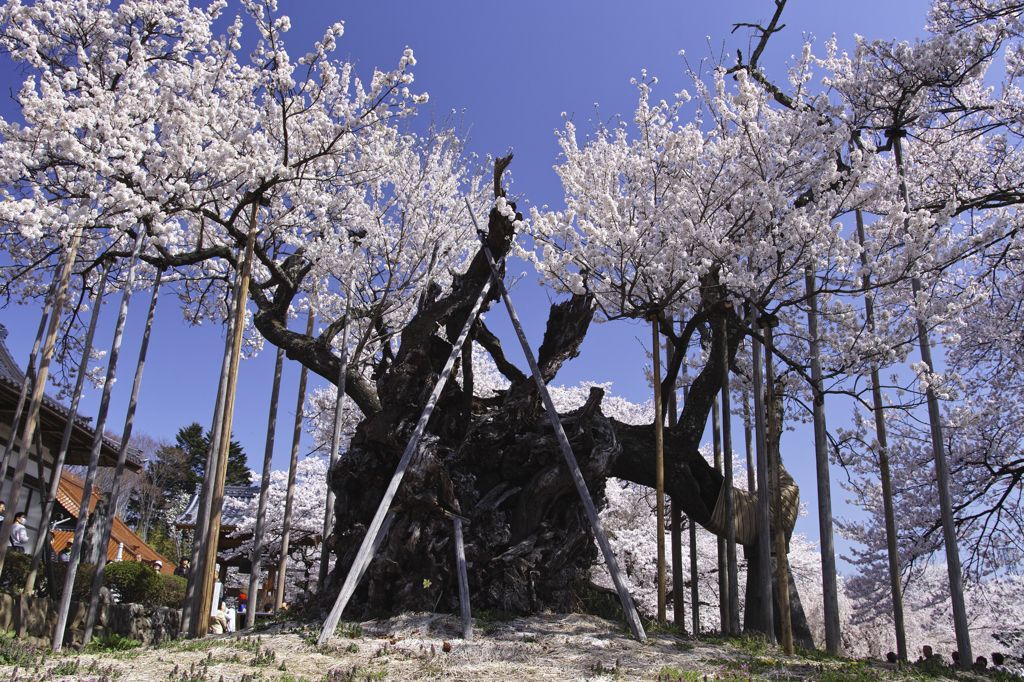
(173, 593)
(134, 582)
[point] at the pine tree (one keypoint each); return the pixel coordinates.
(195, 443)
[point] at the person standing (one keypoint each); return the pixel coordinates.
(19, 536)
(181, 570)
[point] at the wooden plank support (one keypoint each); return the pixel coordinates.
(122, 455)
(97, 444)
(375, 530)
(632, 617)
(43, 538)
(460, 561)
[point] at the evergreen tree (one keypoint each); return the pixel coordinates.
(195, 443)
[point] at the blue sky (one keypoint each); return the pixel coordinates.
(509, 71)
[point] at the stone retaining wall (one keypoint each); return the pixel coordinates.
(35, 618)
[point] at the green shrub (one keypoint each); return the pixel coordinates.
(133, 581)
(173, 593)
(12, 579)
(83, 581)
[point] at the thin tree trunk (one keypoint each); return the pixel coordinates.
(209, 562)
(956, 586)
(325, 552)
(723, 561)
(830, 590)
(97, 446)
(895, 584)
(122, 454)
(774, 458)
(764, 534)
(76, 395)
(659, 468)
(201, 532)
(286, 529)
(730, 518)
(261, 513)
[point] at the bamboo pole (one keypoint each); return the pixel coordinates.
(678, 603)
(570, 459)
(764, 535)
(97, 444)
(30, 373)
(289, 498)
(44, 504)
(76, 395)
(378, 527)
(209, 563)
(730, 517)
(830, 589)
(723, 562)
(325, 553)
(956, 586)
(774, 460)
(659, 466)
(895, 584)
(261, 513)
(200, 533)
(129, 422)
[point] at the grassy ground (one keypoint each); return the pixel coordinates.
(427, 647)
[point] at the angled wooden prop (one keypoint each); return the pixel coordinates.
(376, 530)
(581, 485)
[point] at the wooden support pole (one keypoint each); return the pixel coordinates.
(570, 459)
(730, 517)
(723, 560)
(201, 531)
(764, 533)
(293, 464)
(895, 583)
(325, 553)
(30, 373)
(678, 602)
(659, 466)
(460, 562)
(97, 445)
(76, 395)
(376, 530)
(956, 585)
(748, 441)
(774, 460)
(209, 563)
(261, 513)
(829, 586)
(694, 573)
(122, 455)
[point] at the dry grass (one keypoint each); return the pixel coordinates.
(413, 647)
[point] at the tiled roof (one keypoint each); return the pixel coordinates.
(231, 516)
(69, 496)
(54, 415)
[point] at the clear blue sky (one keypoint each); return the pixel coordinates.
(509, 70)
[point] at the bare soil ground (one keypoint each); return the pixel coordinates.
(424, 646)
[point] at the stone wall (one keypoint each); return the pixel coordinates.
(35, 618)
